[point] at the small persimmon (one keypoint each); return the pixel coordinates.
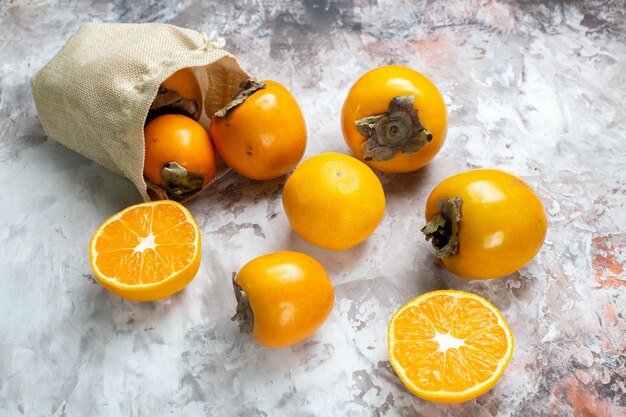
(179, 155)
(394, 119)
(282, 298)
(484, 223)
(261, 134)
(178, 94)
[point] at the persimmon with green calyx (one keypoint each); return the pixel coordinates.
(261, 133)
(394, 119)
(484, 223)
(282, 298)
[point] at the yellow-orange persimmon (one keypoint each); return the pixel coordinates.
(261, 134)
(394, 119)
(179, 154)
(485, 223)
(283, 298)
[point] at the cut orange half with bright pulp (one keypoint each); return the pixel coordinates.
(146, 252)
(449, 346)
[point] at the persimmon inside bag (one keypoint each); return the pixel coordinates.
(95, 94)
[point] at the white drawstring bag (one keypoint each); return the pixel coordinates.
(95, 94)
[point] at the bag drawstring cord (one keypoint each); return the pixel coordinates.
(213, 41)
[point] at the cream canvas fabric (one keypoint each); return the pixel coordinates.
(94, 95)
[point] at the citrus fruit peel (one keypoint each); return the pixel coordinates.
(146, 252)
(334, 201)
(449, 346)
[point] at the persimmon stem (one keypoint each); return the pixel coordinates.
(244, 314)
(246, 89)
(179, 183)
(170, 102)
(443, 229)
(397, 130)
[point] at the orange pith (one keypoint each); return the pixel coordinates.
(449, 346)
(148, 251)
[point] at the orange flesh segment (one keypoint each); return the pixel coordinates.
(110, 262)
(478, 343)
(176, 257)
(116, 236)
(138, 220)
(154, 268)
(145, 245)
(168, 216)
(180, 233)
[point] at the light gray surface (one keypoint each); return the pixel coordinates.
(532, 88)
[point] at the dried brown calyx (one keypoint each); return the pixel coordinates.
(397, 130)
(177, 183)
(246, 89)
(243, 315)
(443, 229)
(170, 102)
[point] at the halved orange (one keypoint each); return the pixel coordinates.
(449, 346)
(146, 252)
